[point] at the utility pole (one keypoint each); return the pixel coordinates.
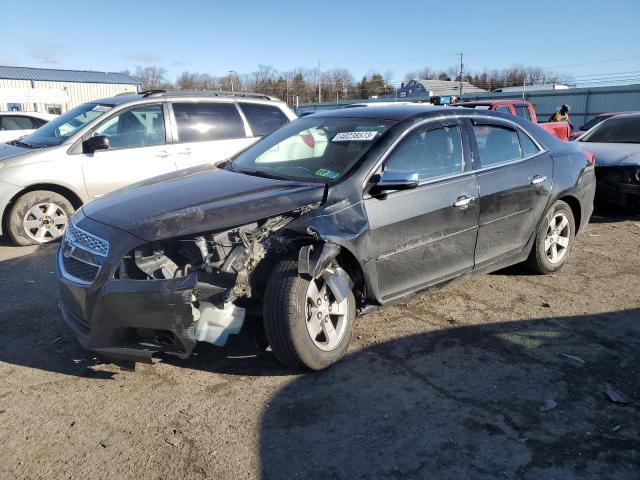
(319, 82)
(461, 72)
(231, 74)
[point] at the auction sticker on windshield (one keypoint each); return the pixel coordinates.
(323, 172)
(354, 136)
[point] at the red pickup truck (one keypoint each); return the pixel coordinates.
(523, 109)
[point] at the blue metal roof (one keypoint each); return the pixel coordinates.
(55, 75)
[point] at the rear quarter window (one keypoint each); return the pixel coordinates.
(263, 119)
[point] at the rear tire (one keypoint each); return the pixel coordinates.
(289, 319)
(554, 239)
(38, 217)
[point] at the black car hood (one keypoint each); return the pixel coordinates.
(199, 200)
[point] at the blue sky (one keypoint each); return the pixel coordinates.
(583, 38)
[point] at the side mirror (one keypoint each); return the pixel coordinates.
(92, 144)
(396, 180)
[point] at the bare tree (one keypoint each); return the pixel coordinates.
(153, 77)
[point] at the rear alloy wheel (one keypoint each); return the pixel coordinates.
(306, 327)
(39, 217)
(554, 239)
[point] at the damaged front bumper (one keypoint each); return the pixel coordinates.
(131, 319)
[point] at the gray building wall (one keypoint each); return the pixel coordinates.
(78, 92)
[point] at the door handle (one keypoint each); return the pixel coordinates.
(162, 154)
(538, 180)
(463, 202)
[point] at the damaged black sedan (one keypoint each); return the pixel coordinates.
(331, 216)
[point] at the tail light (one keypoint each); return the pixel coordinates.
(591, 158)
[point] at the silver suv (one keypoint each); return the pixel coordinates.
(106, 144)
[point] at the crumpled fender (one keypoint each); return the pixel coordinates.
(314, 262)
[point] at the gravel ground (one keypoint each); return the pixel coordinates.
(511, 375)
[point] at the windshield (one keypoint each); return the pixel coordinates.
(61, 128)
(312, 149)
(615, 130)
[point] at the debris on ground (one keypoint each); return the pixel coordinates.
(577, 361)
(173, 440)
(548, 405)
(614, 395)
(546, 305)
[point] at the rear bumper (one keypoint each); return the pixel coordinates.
(586, 193)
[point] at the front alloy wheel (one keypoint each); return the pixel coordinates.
(326, 318)
(38, 217)
(45, 222)
(304, 324)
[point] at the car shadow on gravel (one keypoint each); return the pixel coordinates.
(608, 213)
(522, 399)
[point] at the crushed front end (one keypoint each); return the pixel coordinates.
(130, 300)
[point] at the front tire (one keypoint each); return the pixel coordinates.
(554, 239)
(305, 326)
(38, 217)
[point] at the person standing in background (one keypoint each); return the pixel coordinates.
(562, 115)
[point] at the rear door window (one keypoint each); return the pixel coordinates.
(263, 119)
(199, 122)
(496, 144)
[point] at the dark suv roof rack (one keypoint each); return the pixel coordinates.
(217, 93)
(152, 92)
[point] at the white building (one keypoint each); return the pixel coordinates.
(57, 91)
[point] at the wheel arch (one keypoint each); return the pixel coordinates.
(576, 209)
(69, 194)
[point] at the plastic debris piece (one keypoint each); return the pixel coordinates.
(548, 405)
(577, 360)
(614, 395)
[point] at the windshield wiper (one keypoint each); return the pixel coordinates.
(20, 142)
(261, 173)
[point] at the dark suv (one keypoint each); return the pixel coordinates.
(331, 216)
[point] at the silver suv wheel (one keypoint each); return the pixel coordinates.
(45, 222)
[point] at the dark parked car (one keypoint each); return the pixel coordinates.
(616, 145)
(593, 122)
(331, 216)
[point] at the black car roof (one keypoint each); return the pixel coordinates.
(388, 112)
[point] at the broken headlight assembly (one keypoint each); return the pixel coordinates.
(222, 262)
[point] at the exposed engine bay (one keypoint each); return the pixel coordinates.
(223, 263)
